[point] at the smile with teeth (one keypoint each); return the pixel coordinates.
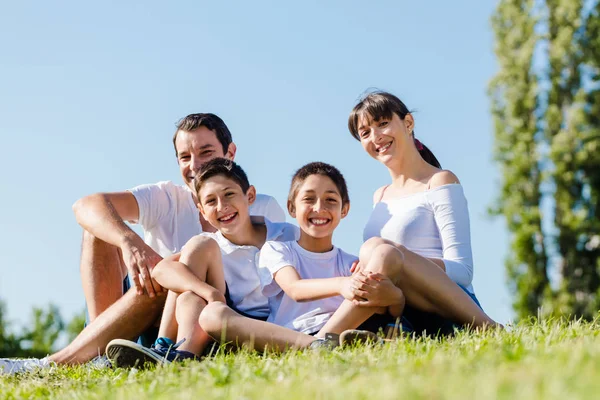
(384, 147)
(319, 221)
(227, 217)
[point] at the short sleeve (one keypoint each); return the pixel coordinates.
(452, 218)
(273, 211)
(345, 263)
(154, 202)
(273, 257)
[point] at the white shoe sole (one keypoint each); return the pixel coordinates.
(127, 354)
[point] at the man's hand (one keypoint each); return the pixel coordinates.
(376, 290)
(140, 259)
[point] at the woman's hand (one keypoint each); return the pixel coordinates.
(375, 290)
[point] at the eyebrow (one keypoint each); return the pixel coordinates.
(328, 191)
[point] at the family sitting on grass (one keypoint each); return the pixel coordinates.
(218, 262)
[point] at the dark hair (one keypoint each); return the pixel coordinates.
(211, 121)
(224, 167)
(319, 168)
(382, 105)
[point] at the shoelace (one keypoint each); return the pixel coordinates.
(166, 345)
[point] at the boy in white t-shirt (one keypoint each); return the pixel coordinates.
(212, 267)
(306, 280)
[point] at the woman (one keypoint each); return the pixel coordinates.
(419, 225)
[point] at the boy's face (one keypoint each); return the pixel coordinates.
(318, 206)
(196, 147)
(224, 205)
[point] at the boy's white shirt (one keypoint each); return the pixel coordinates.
(307, 317)
(169, 217)
(240, 266)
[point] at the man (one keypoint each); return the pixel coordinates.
(113, 254)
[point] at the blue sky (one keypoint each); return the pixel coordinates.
(90, 93)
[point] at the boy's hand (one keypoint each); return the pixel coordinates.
(215, 295)
(140, 259)
(376, 290)
(347, 288)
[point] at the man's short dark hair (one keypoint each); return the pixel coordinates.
(211, 121)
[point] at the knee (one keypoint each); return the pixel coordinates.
(213, 319)
(387, 260)
(189, 299)
(204, 244)
(368, 247)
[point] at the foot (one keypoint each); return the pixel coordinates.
(11, 366)
(354, 336)
(329, 342)
(127, 354)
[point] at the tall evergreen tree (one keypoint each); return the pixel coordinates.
(546, 104)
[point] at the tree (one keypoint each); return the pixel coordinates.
(545, 104)
(40, 337)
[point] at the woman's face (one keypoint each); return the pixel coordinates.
(387, 138)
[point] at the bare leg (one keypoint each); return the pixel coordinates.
(126, 318)
(189, 307)
(222, 323)
(202, 257)
(102, 273)
(350, 316)
(168, 323)
(427, 287)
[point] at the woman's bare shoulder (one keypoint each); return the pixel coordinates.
(443, 177)
(379, 194)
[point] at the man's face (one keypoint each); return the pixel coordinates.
(196, 147)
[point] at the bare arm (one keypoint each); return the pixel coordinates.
(104, 216)
(174, 275)
(308, 289)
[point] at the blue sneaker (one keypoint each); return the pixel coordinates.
(127, 354)
(167, 349)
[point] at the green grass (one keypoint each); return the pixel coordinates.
(547, 360)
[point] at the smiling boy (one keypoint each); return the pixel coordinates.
(212, 267)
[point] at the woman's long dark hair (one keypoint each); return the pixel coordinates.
(382, 105)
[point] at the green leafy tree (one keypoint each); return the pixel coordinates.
(10, 344)
(546, 104)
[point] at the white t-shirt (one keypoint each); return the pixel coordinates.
(433, 224)
(169, 217)
(240, 266)
(307, 317)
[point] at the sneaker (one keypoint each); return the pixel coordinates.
(99, 362)
(355, 336)
(127, 354)
(11, 366)
(329, 342)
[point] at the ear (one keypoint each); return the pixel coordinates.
(409, 122)
(345, 210)
(200, 209)
(291, 209)
(230, 154)
(251, 194)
